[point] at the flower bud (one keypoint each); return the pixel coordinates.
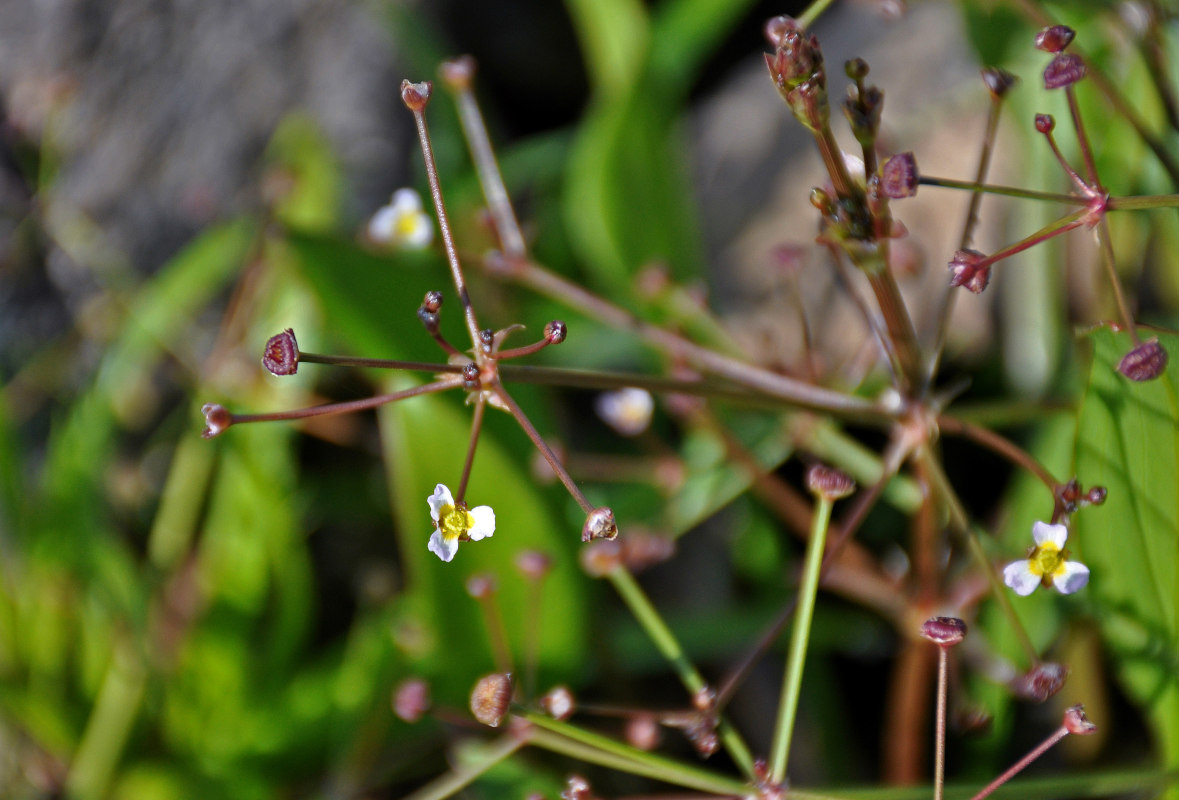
(856, 69)
(1045, 123)
(486, 340)
(491, 698)
(411, 699)
(898, 176)
(828, 482)
(416, 95)
(998, 81)
(600, 558)
(642, 731)
(481, 585)
(600, 524)
(555, 332)
(432, 302)
(642, 550)
(969, 270)
(1096, 496)
(1145, 362)
(217, 419)
(558, 703)
(471, 380)
(1040, 682)
(1054, 38)
(533, 564)
(1076, 722)
(577, 788)
(944, 631)
(458, 73)
(1064, 70)
(777, 27)
(281, 356)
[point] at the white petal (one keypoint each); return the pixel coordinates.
(1019, 576)
(442, 548)
(484, 523)
(383, 225)
(406, 201)
(440, 498)
(420, 235)
(1042, 532)
(1074, 576)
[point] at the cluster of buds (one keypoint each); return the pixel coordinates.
(796, 67)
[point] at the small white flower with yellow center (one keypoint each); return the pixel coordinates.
(1046, 564)
(628, 410)
(402, 223)
(454, 523)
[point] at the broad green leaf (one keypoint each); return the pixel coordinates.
(1128, 441)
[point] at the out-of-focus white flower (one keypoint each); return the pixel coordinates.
(402, 223)
(1047, 564)
(627, 410)
(454, 523)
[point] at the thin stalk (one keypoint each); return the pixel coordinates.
(1018, 766)
(1005, 191)
(669, 647)
(1111, 273)
(1074, 111)
(463, 776)
(998, 444)
(792, 680)
(379, 363)
(1139, 202)
(960, 522)
(109, 726)
(564, 738)
(897, 321)
(452, 259)
(891, 356)
(476, 428)
(789, 390)
(1055, 228)
(808, 17)
(497, 634)
(541, 445)
(939, 756)
(363, 404)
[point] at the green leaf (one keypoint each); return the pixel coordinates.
(1128, 441)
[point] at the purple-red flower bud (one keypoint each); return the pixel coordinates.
(1045, 123)
(1076, 722)
(777, 27)
(533, 564)
(281, 355)
(600, 524)
(458, 73)
(829, 482)
(432, 302)
(898, 176)
(471, 380)
(555, 332)
(411, 699)
(558, 703)
(1040, 682)
(217, 419)
(416, 95)
(1054, 38)
(1145, 362)
(969, 270)
(1064, 70)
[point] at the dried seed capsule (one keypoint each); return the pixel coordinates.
(1076, 722)
(217, 419)
(1054, 38)
(944, 631)
(281, 356)
(600, 524)
(898, 176)
(1145, 362)
(829, 482)
(416, 95)
(491, 698)
(969, 270)
(1064, 70)
(1040, 682)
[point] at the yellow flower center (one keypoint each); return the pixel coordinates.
(1047, 559)
(454, 521)
(407, 223)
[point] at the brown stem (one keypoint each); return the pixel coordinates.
(476, 428)
(440, 385)
(379, 363)
(998, 444)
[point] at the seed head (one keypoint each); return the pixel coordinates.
(1063, 70)
(944, 631)
(642, 731)
(1145, 362)
(829, 482)
(898, 176)
(491, 698)
(969, 270)
(1040, 682)
(281, 356)
(416, 95)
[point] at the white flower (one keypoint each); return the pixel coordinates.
(454, 523)
(627, 410)
(402, 223)
(1046, 564)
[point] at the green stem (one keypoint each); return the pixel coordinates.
(669, 647)
(799, 637)
(1007, 191)
(1140, 202)
(808, 17)
(110, 723)
(570, 740)
(460, 777)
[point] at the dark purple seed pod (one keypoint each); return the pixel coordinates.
(970, 271)
(1054, 38)
(943, 631)
(1045, 123)
(1076, 722)
(491, 698)
(898, 176)
(471, 377)
(1145, 362)
(829, 482)
(998, 81)
(1064, 70)
(1040, 682)
(281, 356)
(217, 419)
(432, 302)
(416, 95)
(486, 340)
(555, 332)
(599, 524)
